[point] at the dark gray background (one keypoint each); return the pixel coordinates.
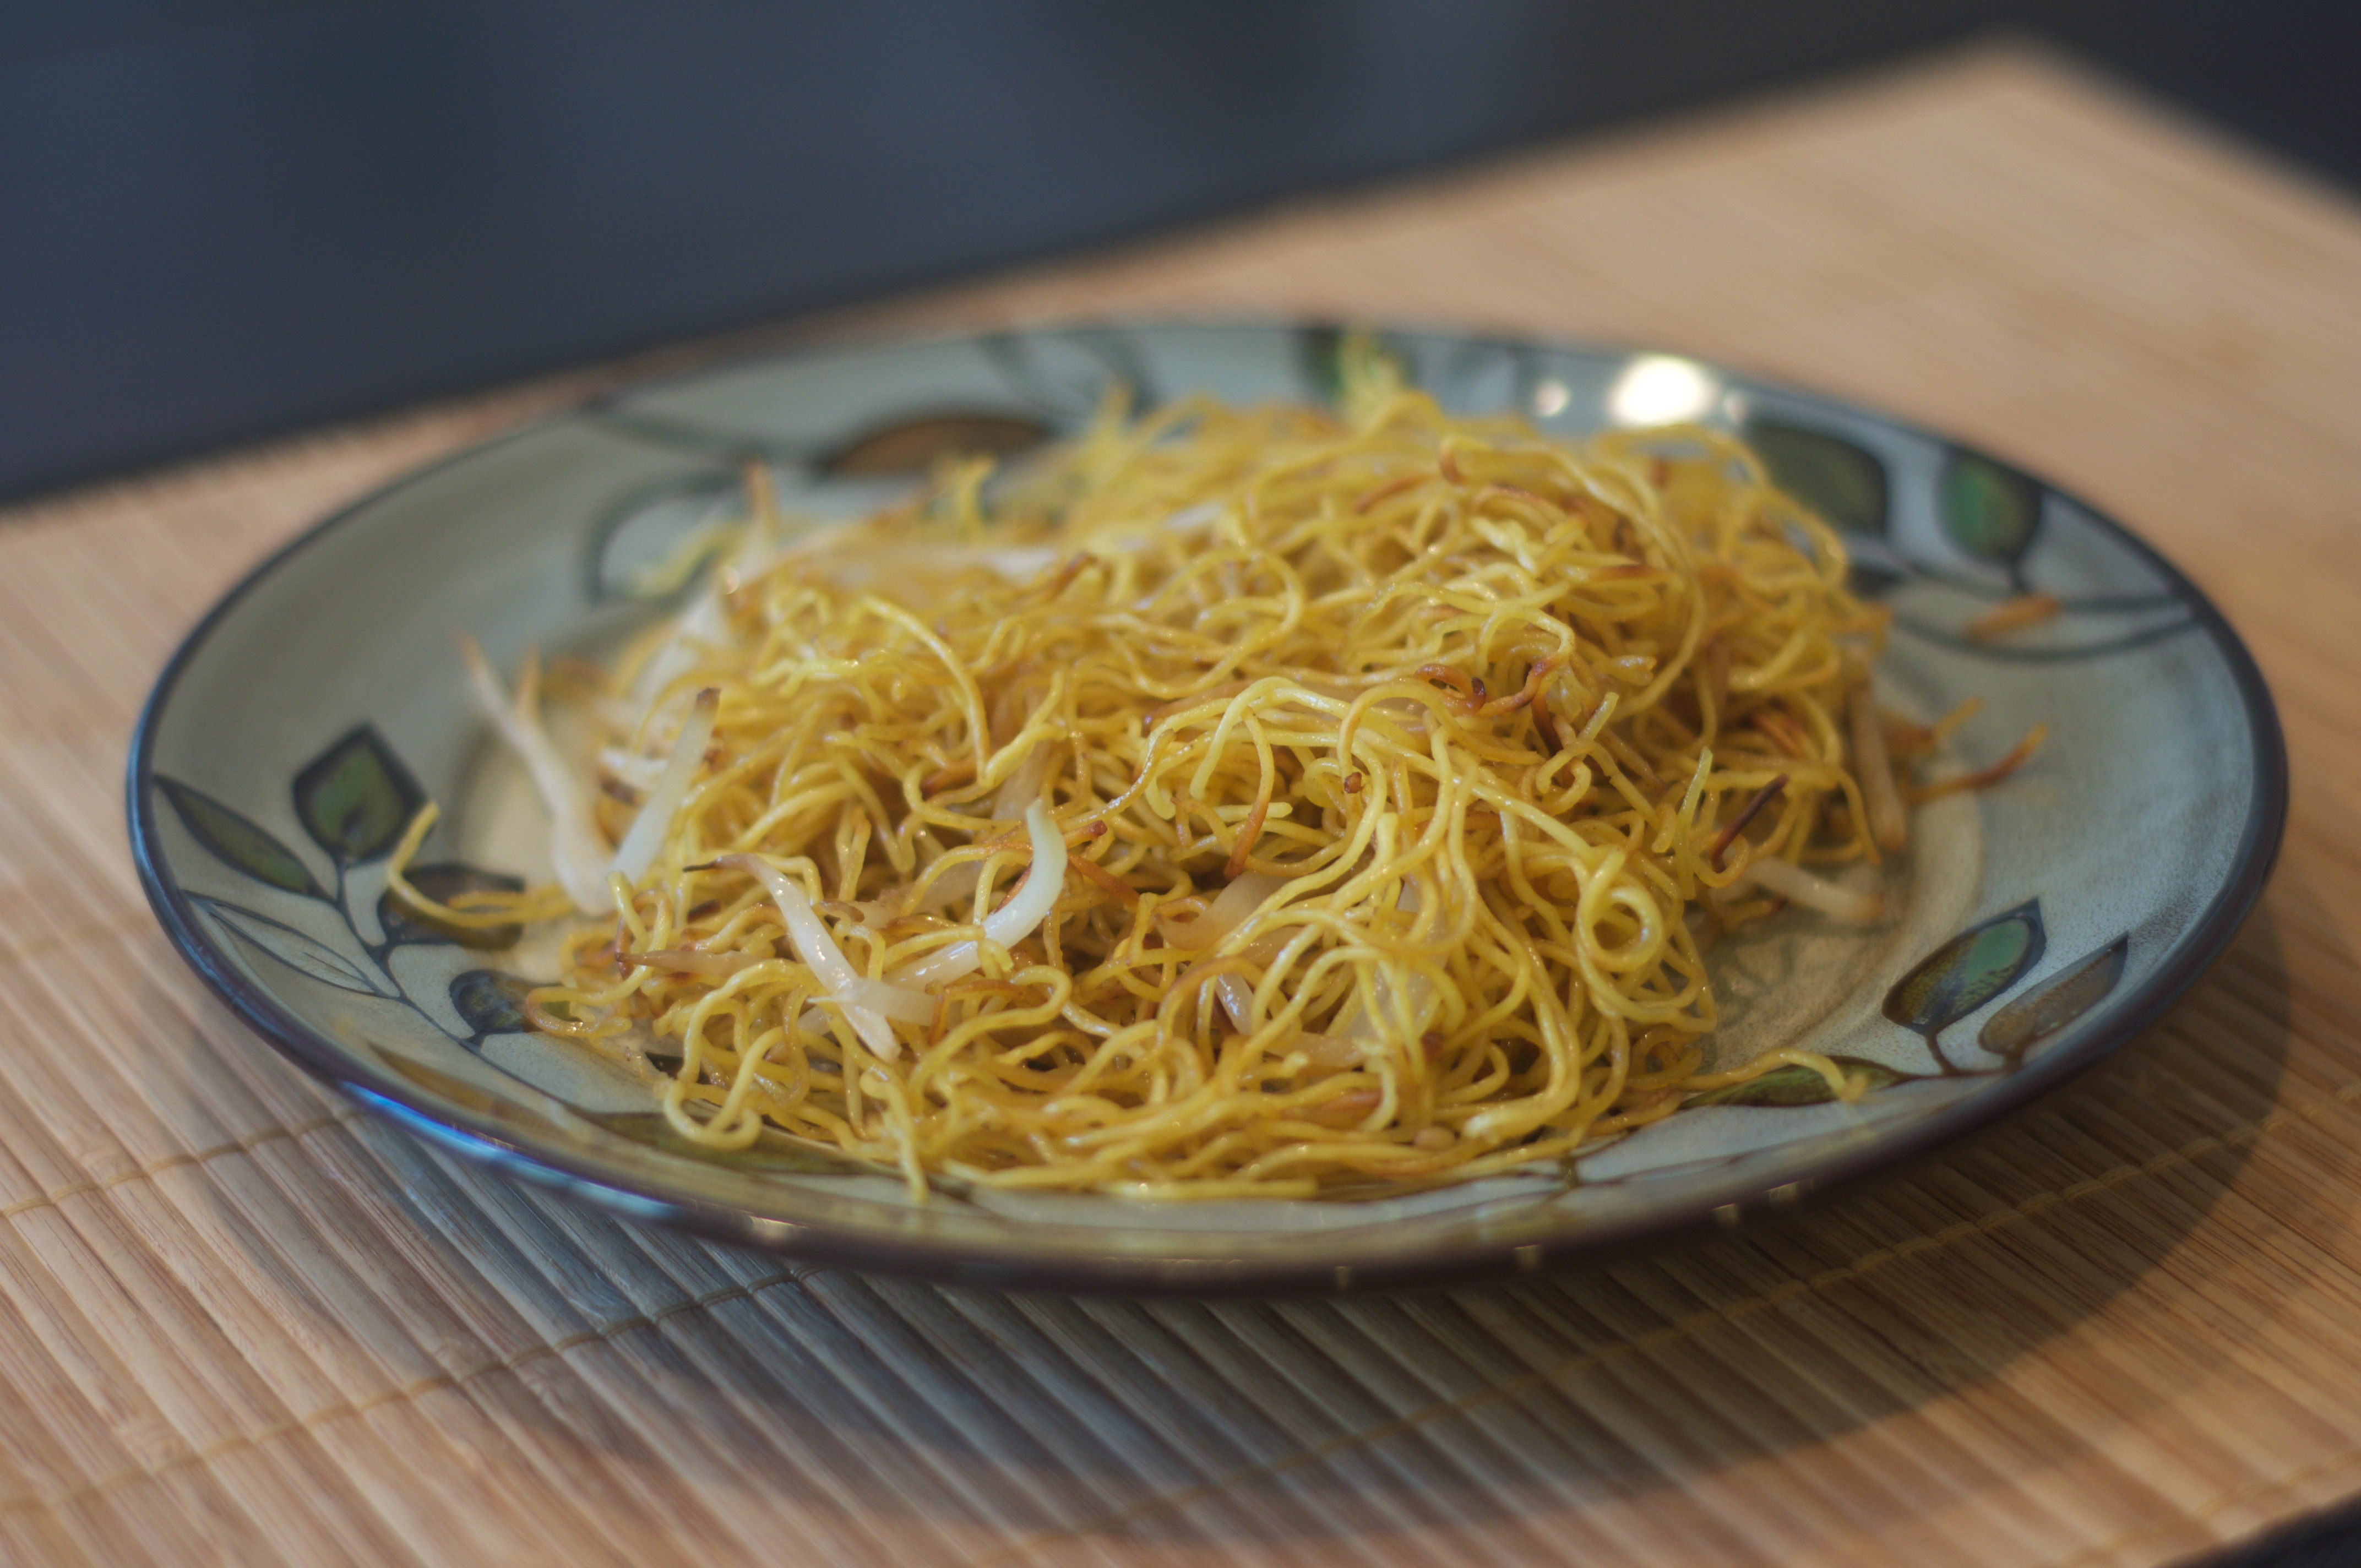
(222, 217)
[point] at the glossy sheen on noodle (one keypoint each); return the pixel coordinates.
(1396, 760)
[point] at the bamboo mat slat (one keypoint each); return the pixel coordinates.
(242, 1324)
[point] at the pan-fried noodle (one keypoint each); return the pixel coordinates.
(1242, 802)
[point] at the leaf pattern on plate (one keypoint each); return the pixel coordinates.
(913, 445)
(236, 841)
(1798, 1085)
(1320, 354)
(640, 545)
(1990, 511)
(491, 1002)
(296, 950)
(355, 798)
(403, 925)
(1966, 972)
(2058, 1002)
(1067, 374)
(1845, 484)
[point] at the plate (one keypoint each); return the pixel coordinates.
(2035, 927)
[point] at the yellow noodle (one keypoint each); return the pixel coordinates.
(1480, 700)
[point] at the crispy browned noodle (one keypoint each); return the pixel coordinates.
(1396, 757)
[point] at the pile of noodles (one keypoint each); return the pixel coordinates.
(1257, 800)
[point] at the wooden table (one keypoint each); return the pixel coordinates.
(244, 1323)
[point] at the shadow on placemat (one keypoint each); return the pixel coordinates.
(2327, 1541)
(1621, 1380)
(638, 1370)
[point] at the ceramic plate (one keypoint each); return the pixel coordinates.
(2035, 927)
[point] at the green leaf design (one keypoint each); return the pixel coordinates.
(1992, 512)
(1798, 1085)
(355, 798)
(1845, 484)
(772, 1152)
(236, 841)
(442, 883)
(1967, 971)
(1329, 357)
(1315, 353)
(299, 950)
(491, 1002)
(2058, 1002)
(912, 446)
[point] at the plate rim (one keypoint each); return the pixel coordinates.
(1717, 1206)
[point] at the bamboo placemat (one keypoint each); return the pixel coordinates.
(244, 1323)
